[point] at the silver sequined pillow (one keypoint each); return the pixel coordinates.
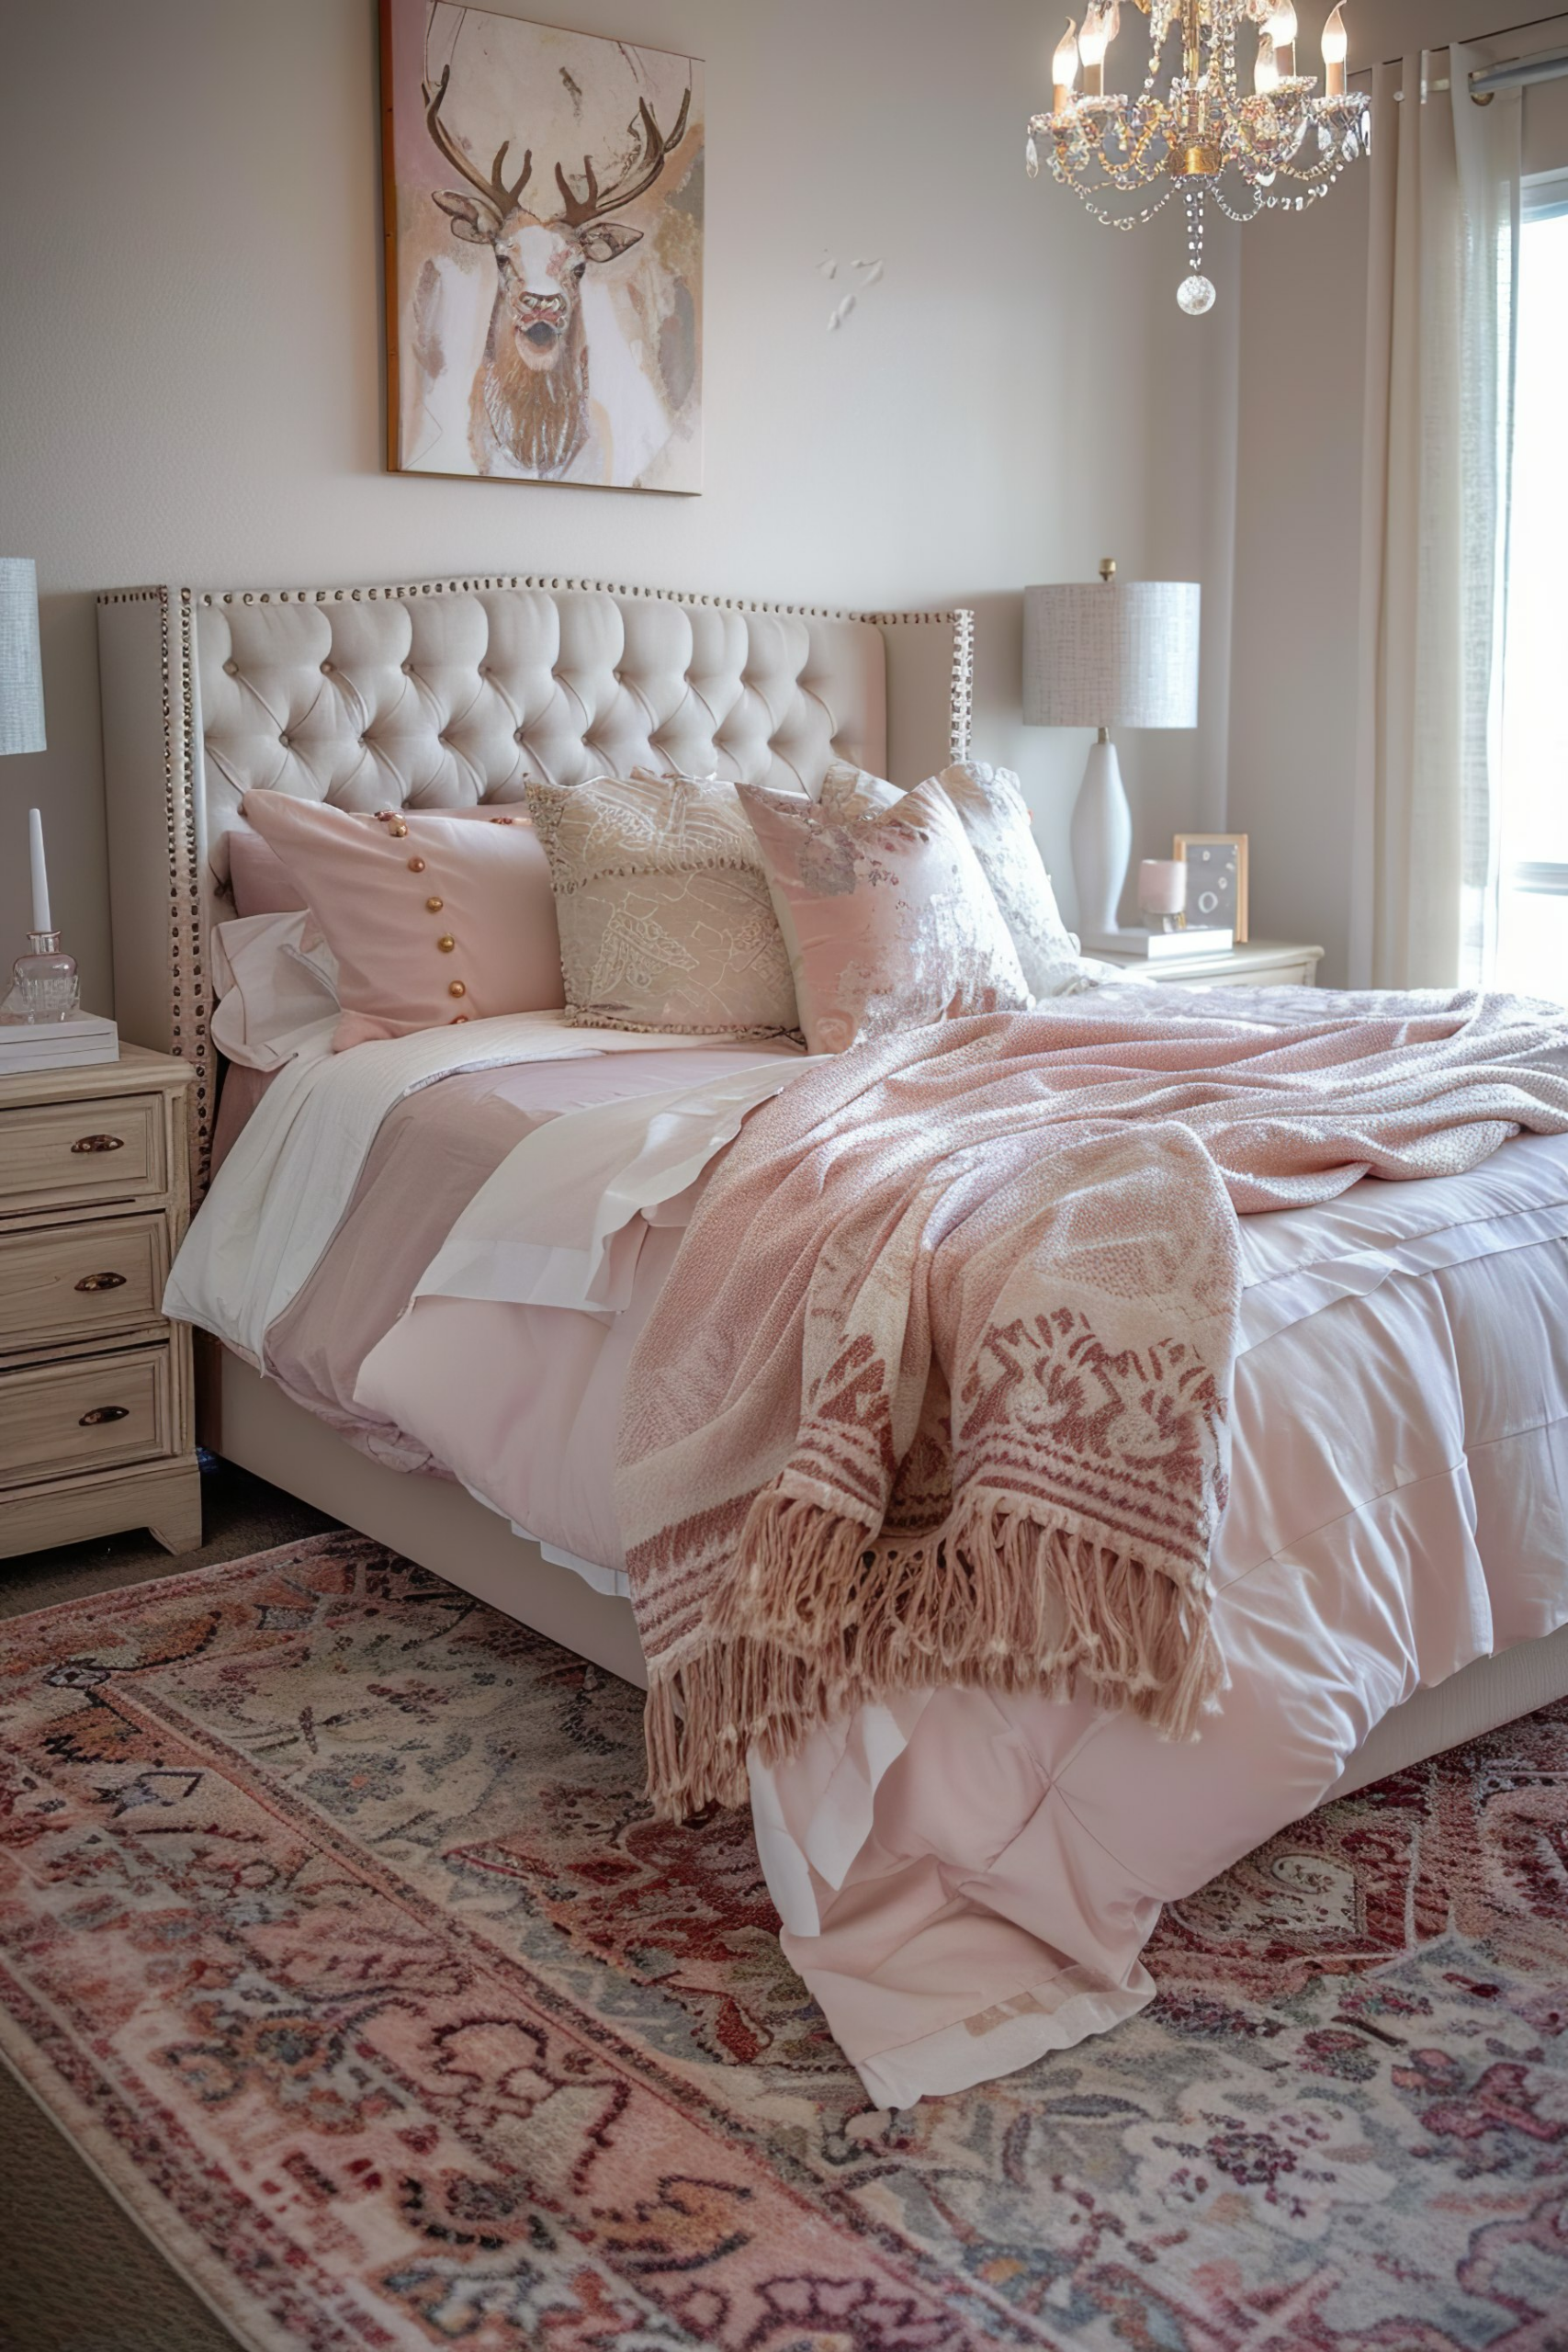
(665, 919)
(994, 814)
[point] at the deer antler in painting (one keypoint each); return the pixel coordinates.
(637, 178)
(500, 198)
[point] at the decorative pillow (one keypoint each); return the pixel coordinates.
(432, 919)
(995, 814)
(664, 913)
(259, 882)
(666, 775)
(889, 921)
(849, 791)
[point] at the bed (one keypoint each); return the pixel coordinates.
(1423, 1290)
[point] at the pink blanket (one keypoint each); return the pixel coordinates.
(938, 1390)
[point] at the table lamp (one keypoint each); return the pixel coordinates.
(1123, 654)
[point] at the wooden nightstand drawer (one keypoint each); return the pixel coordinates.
(90, 1413)
(56, 1155)
(78, 1280)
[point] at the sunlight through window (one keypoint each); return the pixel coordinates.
(1532, 952)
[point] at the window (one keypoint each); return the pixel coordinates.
(1532, 932)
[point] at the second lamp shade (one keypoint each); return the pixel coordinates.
(21, 673)
(1124, 655)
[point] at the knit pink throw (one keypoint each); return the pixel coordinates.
(937, 1391)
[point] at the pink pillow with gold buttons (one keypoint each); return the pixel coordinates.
(432, 919)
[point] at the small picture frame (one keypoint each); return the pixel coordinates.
(1216, 881)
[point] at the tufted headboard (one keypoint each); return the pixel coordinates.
(452, 693)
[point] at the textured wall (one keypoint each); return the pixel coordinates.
(190, 372)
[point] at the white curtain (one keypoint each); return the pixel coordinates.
(1439, 431)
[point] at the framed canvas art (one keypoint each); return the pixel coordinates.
(544, 223)
(1216, 880)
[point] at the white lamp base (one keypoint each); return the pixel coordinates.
(1102, 845)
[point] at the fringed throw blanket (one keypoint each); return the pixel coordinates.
(937, 1391)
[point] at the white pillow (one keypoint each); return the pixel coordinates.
(275, 975)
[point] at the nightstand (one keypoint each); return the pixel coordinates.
(96, 1420)
(1264, 964)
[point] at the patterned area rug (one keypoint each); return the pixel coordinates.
(333, 1930)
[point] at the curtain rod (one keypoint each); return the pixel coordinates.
(1548, 66)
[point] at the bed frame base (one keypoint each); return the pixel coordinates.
(438, 1523)
(250, 1422)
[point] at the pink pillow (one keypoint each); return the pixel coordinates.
(888, 919)
(432, 919)
(259, 881)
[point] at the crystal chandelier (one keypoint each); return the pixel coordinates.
(1279, 147)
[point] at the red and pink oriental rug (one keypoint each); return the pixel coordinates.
(336, 1931)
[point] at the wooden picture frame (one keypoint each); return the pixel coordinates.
(1226, 877)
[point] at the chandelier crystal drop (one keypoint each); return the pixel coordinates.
(1278, 146)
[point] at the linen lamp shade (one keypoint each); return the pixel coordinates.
(1116, 655)
(21, 670)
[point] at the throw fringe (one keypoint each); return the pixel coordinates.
(819, 1615)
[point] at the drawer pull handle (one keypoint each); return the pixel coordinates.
(99, 1143)
(101, 1413)
(101, 1282)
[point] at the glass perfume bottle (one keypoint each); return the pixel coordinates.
(44, 985)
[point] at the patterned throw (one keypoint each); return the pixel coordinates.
(336, 1931)
(937, 1391)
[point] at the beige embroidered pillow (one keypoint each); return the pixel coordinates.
(663, 908)
(890, 921)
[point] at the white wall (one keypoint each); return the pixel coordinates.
(1297, 650)
(190, 371)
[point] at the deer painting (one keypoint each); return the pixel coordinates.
(531, 410)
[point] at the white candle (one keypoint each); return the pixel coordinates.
(1283, 27)
(1335, 49)
(40, 872)
(1064, 70)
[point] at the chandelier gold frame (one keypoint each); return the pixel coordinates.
(1191, 128)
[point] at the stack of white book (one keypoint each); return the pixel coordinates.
(1162, 946)
(86, 1038)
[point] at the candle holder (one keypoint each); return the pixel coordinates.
(44, 984)
(1162, 894)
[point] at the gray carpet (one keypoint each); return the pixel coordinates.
(75, 2274)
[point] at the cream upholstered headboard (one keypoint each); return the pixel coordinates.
(452, 693)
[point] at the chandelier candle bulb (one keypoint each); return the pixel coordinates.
(39, 872)
(1265, 73)
(1282, 31)
(1065, 69)
(1335, 49)
(1093, 43)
